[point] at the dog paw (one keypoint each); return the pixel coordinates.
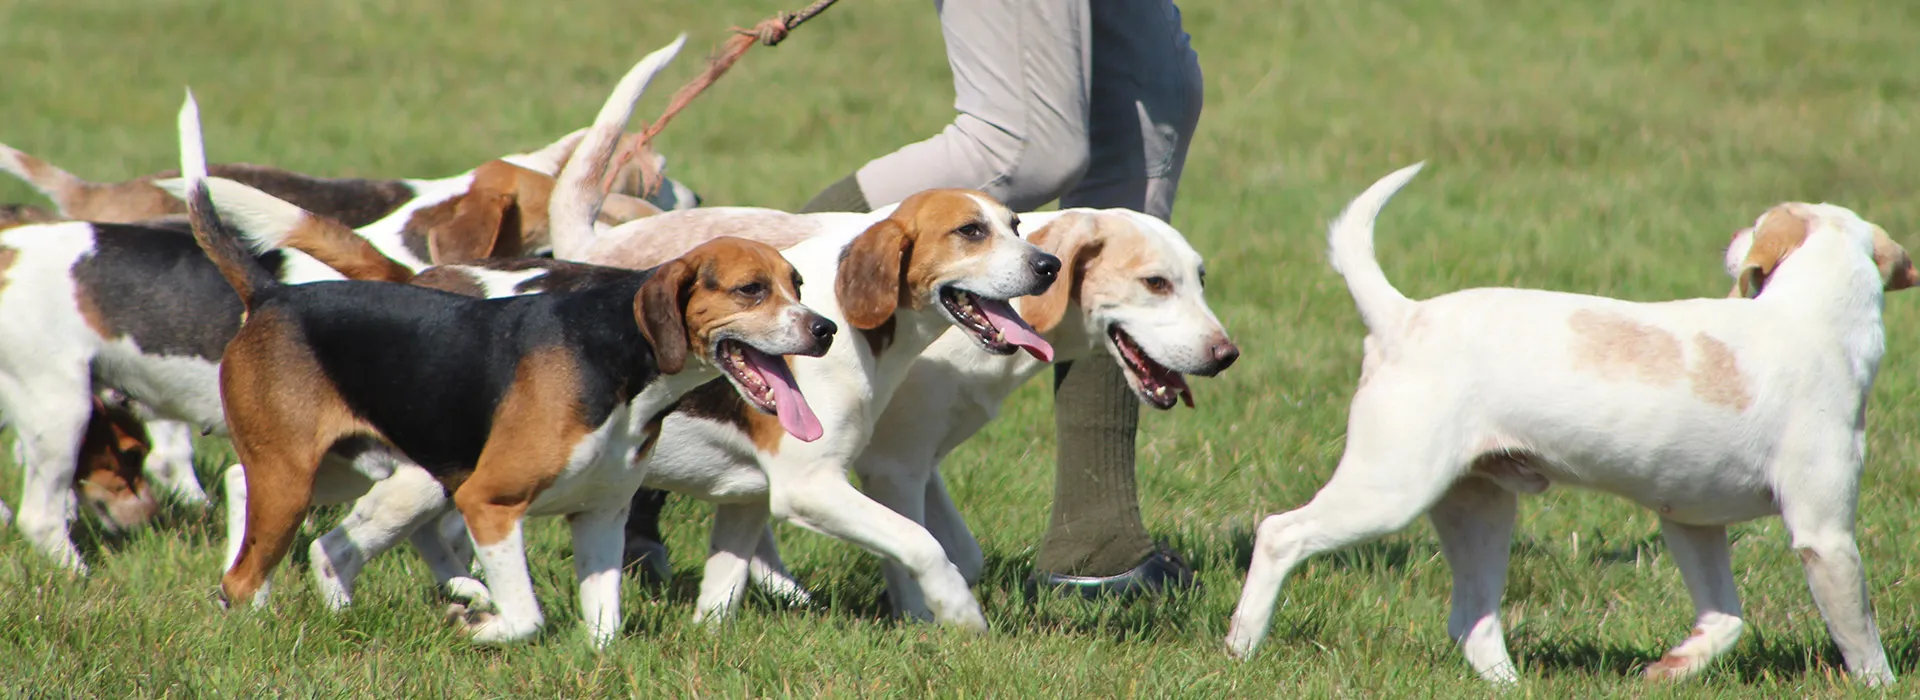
(1673, 667)
(469, 591)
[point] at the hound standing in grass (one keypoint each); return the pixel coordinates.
(1707, 411)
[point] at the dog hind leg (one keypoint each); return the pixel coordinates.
(1475, 524)
(393, 508)
(1707, 567)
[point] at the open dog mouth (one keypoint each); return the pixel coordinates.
(993, 323)
(1156, 385)
(765, 381)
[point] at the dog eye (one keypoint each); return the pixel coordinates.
(1203, 278)
(1015, 225)
(751, 289)
(1157, 284)
(972, 232)
(796, 283)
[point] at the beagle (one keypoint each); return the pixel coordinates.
(900, 277)
(1132, 289)
(945, 258)
(1706, 411)
(137, 308)
(534, 405)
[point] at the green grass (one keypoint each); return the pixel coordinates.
(1607, 148)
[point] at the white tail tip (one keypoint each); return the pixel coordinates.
(193, 151)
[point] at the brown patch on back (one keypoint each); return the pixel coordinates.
(1715, 376)
(451, 279)
(535, 430)
(1617, 347)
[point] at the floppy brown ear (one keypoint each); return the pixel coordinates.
(1896, 267)
(869, 282)
(486, 221)
(660, 309)
(1073, 238)
(1780, 232)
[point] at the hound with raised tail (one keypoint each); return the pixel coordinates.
(1705, 411)
(536, 405)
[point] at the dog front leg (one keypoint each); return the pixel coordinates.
(1475, 524)
(599, 537)
(169, 461)
(51, 432)
(824, 502)
(1826, 547)
(737, 528)
(1707, 567)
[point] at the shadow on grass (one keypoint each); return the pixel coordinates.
(1758, 657)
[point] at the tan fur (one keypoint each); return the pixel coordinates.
(12, 215)
(1896, 268)
(896, 261)
(284, 416)
(1077, 239)
(111, 476)
(1617, 347)
(7, 256)
(337, 246)
(1782, 230)
(90, 311)
(503, 214)
(450, 279)
(1716, 377)
(535, 430)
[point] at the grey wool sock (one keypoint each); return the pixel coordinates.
(844, 195)
(1096, 528)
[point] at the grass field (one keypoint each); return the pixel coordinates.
(1607, 148)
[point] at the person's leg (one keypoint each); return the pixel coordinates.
(1020, 84)
(1146, 97)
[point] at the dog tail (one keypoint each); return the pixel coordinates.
(265, 222)
(1350, 246)
(237, 264)
(64, 188)
(577, 194)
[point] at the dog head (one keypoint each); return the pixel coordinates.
(735, 304)
(1756, 253)
(110, 479)
(955, 250)
(1132, 284)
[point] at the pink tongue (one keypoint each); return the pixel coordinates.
(795, 415)
(1015, 329)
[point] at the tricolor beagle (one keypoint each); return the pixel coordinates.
(1706, 411)
(138, 309)
(534, 405)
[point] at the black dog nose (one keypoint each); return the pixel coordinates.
(1224, 352)
(1045, 265)
(822, 328)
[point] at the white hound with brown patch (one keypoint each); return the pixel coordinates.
(1706, 411)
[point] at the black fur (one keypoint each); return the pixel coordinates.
(428, 369)
(151, 283)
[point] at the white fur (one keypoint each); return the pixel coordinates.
(807, 483)
(1448, 380)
